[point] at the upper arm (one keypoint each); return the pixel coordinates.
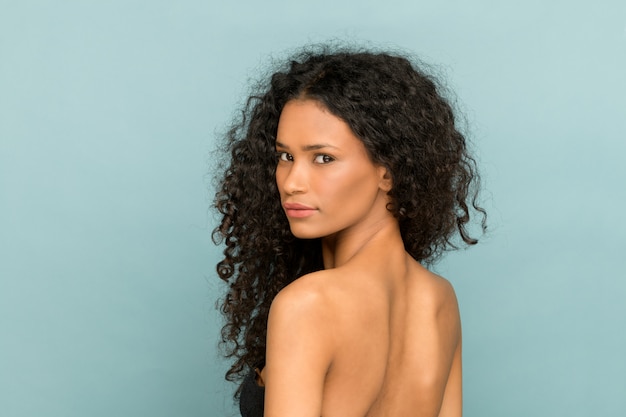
(452, 404)
(449, 323)
(299, 352)
(438, 354)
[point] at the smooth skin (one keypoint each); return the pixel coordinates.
(374, 333)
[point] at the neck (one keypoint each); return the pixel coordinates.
(377, 238)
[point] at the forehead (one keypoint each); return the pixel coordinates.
(304, 122)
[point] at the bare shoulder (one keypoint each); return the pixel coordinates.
(435, 296)
(306, 292)
(300, 346)
(305, 302)
(435, 303)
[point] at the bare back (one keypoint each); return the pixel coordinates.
(392, 334)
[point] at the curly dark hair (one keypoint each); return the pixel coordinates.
(406, 125)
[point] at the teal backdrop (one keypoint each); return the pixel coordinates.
(109, 111)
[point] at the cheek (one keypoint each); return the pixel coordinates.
(279, 178)
(348, 185)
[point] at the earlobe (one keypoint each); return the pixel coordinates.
(385, 179)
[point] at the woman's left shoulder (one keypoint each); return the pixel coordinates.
(307, 295)
(300, 317)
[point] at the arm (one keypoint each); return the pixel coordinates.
(438, 356)
(449, 323)
(452, 405)
(299, 352)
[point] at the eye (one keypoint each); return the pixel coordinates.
(323, 159)
(284, 156)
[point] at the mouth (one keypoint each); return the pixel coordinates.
(298, 211)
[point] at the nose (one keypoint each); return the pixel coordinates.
(292, 179)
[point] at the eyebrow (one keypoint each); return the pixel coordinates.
(312, 147)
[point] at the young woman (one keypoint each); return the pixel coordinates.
(347, 174)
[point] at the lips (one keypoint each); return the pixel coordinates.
(298, 211)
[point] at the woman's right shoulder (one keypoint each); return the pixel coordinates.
(432, 290)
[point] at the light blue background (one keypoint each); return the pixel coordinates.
(108, 111)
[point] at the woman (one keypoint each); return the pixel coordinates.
(347, 173)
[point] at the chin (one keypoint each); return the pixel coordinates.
(304, 233)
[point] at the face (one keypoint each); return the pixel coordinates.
(327, 182)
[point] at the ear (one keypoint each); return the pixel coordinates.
(385, 182)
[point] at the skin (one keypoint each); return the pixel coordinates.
(374, 333)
